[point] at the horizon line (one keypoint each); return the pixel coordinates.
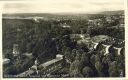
(62, 12)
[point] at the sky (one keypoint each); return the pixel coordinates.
(62, 6)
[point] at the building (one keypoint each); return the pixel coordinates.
(105, 49)
(95, 45)
(65, 25)
(25, 74)
(29, 55)
(59, 56)
(44, 68)
(16, 50)
(118, 50)
(6, 61)
(51, 65)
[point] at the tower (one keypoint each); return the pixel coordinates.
(16, 50)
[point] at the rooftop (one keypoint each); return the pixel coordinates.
(26, 73)
(100, 38)
(50, 62)
(6, 61)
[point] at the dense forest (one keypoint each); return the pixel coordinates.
(46, 38)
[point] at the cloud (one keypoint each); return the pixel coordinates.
(67, 6)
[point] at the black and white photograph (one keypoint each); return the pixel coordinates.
(64, 39)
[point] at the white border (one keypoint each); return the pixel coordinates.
(32, 1)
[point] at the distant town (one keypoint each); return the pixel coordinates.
(63, 46)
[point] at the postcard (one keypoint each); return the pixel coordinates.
(64, 39)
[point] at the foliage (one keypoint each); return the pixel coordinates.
(87, 72)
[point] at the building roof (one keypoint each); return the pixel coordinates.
(65, 25)
(6, 61)
(28, 54)
(50, 62)
(26, 73)
(100, 38)
(60, 55)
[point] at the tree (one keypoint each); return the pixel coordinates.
(99, 68)
(75, 68)
(113, 69)
(85, 59)
(87, 71)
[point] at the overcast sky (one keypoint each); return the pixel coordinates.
(63, 6)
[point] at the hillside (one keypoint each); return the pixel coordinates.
(61, 15)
